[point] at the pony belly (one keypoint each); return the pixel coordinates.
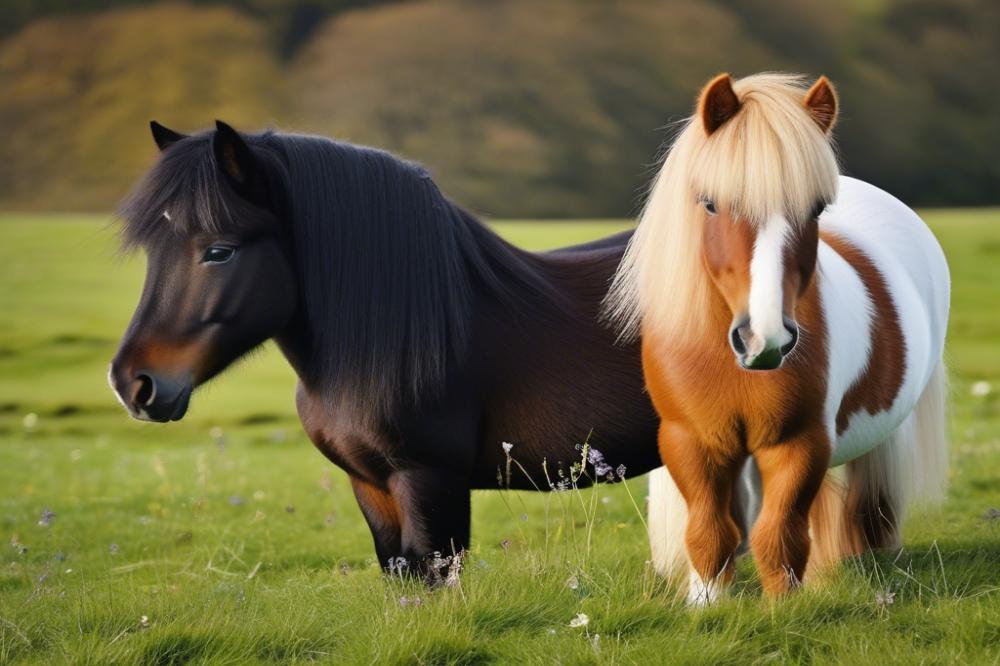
(865, 432)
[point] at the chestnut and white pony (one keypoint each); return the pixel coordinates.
(792, 322)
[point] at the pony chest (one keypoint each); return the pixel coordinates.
(726, 407)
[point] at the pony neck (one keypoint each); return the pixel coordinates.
(389, 274)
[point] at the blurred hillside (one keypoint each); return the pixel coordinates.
(520, 108)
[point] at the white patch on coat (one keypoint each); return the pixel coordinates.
(847, 315)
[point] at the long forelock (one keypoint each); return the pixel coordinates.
(183, 194)
(770, 159)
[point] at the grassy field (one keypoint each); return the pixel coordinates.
(227, 539)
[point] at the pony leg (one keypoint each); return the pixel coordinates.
(746, 501)
(706, 478)
(829, 528)
(792, 472)
(435, 508)
(381, 512)
(874, 502)
(911, 467)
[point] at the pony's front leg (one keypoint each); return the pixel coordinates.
(381, 512)
(435, 508)
(792, 472)
(706, 478)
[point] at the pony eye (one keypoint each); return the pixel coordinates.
(709, 206)
(218, 254)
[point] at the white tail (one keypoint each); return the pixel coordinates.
(928, 481)
(667, 513)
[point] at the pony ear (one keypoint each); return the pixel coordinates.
(164, 136)
(234, 157)
(821, 103)
(718, 103)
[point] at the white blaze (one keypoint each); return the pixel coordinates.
(766, 287)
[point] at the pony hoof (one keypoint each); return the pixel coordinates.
(701, 594)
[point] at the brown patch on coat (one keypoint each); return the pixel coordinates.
(875, 391)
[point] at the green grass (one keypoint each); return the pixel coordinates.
(243, 545)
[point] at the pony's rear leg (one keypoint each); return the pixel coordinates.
(792, 472)
(910, 467)
(746, 501)
(435, 508)
(874, 503)
(706, 478)
(381, 512)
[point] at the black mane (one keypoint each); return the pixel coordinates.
(387, 264)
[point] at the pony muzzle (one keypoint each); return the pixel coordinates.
(756, 352)
(151, 396)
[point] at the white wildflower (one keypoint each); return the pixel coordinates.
(581, 620)
(885, 598)
(454, 569)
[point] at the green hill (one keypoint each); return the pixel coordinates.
(520, 108)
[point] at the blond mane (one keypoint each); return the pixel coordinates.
(770, 158)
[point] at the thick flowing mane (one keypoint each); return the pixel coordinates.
(387, 264)
(771, 158)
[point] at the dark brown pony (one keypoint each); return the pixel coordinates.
(422, 341)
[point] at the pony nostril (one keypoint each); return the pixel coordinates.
(793, 331)
(147, 390)
(736, 339)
